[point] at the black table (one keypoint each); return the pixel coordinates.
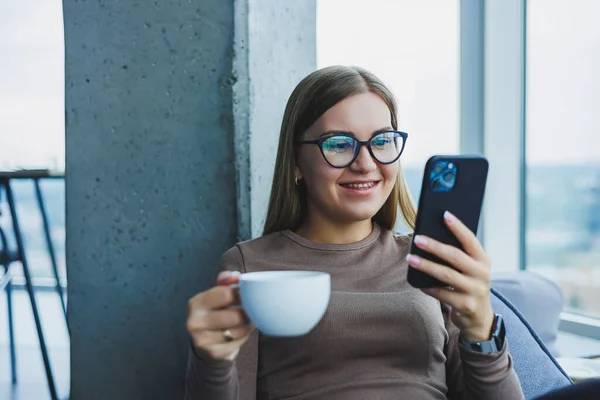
(6, 177)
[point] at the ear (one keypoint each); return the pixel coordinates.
(298, 173)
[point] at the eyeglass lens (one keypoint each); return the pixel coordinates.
(341, 150)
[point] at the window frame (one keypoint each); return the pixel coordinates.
(493, 42)
(492, 122)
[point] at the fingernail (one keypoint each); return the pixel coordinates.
(413, 260)
(449, 217)
(223, 275)
(420, 241)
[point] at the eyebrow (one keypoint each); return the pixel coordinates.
(337, 132)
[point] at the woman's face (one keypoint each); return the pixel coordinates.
(333, 193)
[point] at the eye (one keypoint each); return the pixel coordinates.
(338, 144)
(381, 141)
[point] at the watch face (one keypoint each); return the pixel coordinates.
(499, 332)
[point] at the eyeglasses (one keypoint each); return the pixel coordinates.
(340, 150)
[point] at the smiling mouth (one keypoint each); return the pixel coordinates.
(360, 186)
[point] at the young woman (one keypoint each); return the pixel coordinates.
(336, 191)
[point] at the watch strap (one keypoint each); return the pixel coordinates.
(494, 344)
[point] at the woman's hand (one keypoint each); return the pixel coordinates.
(469, 295)
(216, 330)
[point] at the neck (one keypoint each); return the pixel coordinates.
(335, 233)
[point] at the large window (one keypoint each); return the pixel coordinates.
(32, 119)
(563, 148)
(413, 46)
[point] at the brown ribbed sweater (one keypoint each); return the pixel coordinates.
(379, 339)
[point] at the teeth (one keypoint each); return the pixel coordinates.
(359, 186)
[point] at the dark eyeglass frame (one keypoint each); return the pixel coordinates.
(319, 142)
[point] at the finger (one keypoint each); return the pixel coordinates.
(228, 278)
(465, 236)
(452, 255)
(442, 273)
(466, 305)
(213, 299)
(216, 320)
(205, 338)
(224, 350)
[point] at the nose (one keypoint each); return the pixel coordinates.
(364, 163)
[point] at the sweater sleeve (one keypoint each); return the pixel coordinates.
(471, 375)
(224, 380)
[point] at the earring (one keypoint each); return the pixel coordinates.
(296, 181)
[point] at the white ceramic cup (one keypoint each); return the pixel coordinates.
(285, 303)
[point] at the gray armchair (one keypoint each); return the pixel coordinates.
(538, 299)
(538, 371)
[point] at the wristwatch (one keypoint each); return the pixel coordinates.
(496, 342)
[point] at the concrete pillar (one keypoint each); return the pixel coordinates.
(173, 113)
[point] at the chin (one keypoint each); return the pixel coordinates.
(359, 215)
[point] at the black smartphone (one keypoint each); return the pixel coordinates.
(455, 184)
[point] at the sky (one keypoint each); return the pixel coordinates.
(412, 45)
(31, 84)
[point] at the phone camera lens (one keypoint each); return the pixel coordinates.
(449, 177)
(439, 167)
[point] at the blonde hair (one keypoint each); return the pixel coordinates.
(313, 96)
